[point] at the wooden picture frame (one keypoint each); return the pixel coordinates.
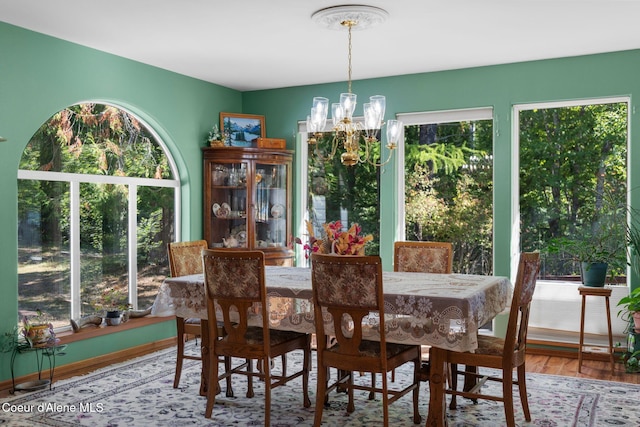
(242, 130)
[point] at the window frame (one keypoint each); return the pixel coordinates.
(74, 180)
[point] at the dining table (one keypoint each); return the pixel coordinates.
(444, 311)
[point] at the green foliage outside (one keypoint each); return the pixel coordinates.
(573, 186)
(449, 190)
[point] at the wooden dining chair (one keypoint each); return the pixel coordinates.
(349, 288)
(423, 257)
(503, 354)
(185, 258)
(235, 283)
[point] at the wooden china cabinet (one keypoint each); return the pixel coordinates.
(247, 201)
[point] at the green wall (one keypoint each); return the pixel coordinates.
(500, 87)
(40, 75)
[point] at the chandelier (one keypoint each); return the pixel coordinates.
(347, 132)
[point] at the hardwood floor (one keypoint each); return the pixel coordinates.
(568, 366)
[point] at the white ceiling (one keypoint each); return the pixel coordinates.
(261, 44)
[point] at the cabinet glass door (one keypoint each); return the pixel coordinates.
(271, 206)
(229, 205)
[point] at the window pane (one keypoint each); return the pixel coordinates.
(103, 241)
(155, 229)
(96, 139)
(43, 250)
(573, 185)
(346, 193)
(449, 190)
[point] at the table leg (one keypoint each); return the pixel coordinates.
(437, 410)
(204, 348)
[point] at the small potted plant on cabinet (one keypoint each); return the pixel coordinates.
(214, 139)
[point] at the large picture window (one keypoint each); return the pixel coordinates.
(573, 186)
(448, 184)
(96, 203)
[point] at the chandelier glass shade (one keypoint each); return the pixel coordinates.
(356, 137)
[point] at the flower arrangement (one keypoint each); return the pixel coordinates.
(113, 299)
(214, 134)
(337, 241)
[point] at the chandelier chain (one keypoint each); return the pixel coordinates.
(349, 82)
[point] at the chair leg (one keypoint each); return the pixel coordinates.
(267, 391)
(385, 400)
(305, 375)
(227, 368)
(416, 391)
(507, 390)
(180, 350)
(522, 388)
(321, 393)
(211, 391)
(372, 394)
(284, 365)
(453, 376)
(249, 378)
(351, 405)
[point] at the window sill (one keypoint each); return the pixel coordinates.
(87, 332)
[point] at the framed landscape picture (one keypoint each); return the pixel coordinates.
(242, 130)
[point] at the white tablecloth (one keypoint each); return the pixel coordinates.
(442, 310)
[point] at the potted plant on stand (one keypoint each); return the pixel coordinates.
(600, 255)
(598, 244)
(37, 329)
(113, 302)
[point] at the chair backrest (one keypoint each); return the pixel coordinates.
(516, 336)
(234, 280)
(185, 258)
(348, 288)
(423, 257)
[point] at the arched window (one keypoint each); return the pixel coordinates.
(96, 207)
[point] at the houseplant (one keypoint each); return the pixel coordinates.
(599, 244)
(37, 329)
(630, 309)
(214, 139)
(113, 301)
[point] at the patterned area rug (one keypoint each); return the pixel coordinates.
(140, 392)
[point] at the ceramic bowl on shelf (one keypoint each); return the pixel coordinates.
(277, 211)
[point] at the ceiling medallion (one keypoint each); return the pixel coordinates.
(363, 16)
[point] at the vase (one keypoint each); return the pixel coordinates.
(636, 322)
(112, 318)
(38, 335)
(594, 274)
